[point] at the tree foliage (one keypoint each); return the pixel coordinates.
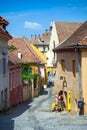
(11, 48)
(25, 73)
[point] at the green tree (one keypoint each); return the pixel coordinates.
(27, 72)
(11, 48)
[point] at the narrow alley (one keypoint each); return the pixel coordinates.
(37, 115)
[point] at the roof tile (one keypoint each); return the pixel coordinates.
(28, 54)
(65, 29)
(3, 31)
(41, 39)
(78, 38)
(12, 58)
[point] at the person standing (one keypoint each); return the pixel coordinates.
(60, 100)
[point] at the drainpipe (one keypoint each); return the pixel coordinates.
(81, 99)
(79, 74)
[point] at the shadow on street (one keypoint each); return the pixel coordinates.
(7, 118)
(44, 92)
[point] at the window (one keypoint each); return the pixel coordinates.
(35, 83)
(63, 65)
(54, 55)
(10, 81)
(73, 68)
(29, 70)
(53, 44)
(4, 66)
(13, 79)
(16, 78)
(20, 76)
(44, 48)
(6, 95)
(1, 97)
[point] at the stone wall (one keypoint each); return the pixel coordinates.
(65, 80)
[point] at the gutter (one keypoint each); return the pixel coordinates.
(65, 48)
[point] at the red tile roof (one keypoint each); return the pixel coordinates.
(2, 20)
(65, 29)
(41, 39)
(5, 34)
(78, 38)
(28, 54)
(13, 59)
(3, 31)
(84, 41)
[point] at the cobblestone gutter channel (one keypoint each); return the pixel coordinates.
(32, 117)
(41, 101)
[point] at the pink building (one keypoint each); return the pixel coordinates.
(15, 80)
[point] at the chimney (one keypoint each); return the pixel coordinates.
(35, 36)
(19, 54)
(31, 36)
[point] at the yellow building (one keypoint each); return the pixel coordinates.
(42, 43)
(71, 70)
(44, 66)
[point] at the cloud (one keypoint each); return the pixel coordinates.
(32, 25)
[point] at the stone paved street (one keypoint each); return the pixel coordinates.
(37, 115)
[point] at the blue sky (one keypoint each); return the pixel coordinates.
(33, 17)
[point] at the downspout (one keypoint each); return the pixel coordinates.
(39, 80)
(79, 74)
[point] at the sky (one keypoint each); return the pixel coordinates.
(33, 17)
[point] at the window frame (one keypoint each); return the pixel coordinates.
(63, 65)
(74, 68)
(4, 66)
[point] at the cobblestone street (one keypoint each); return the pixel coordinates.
(37, 115)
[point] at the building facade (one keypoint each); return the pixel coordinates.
(71, 70)
(30, 60)
(4, 85)
(60, 31)
(15, 80)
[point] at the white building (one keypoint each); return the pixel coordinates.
(4, 88)
(59, 32)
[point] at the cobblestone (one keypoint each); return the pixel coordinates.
(37, 115)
